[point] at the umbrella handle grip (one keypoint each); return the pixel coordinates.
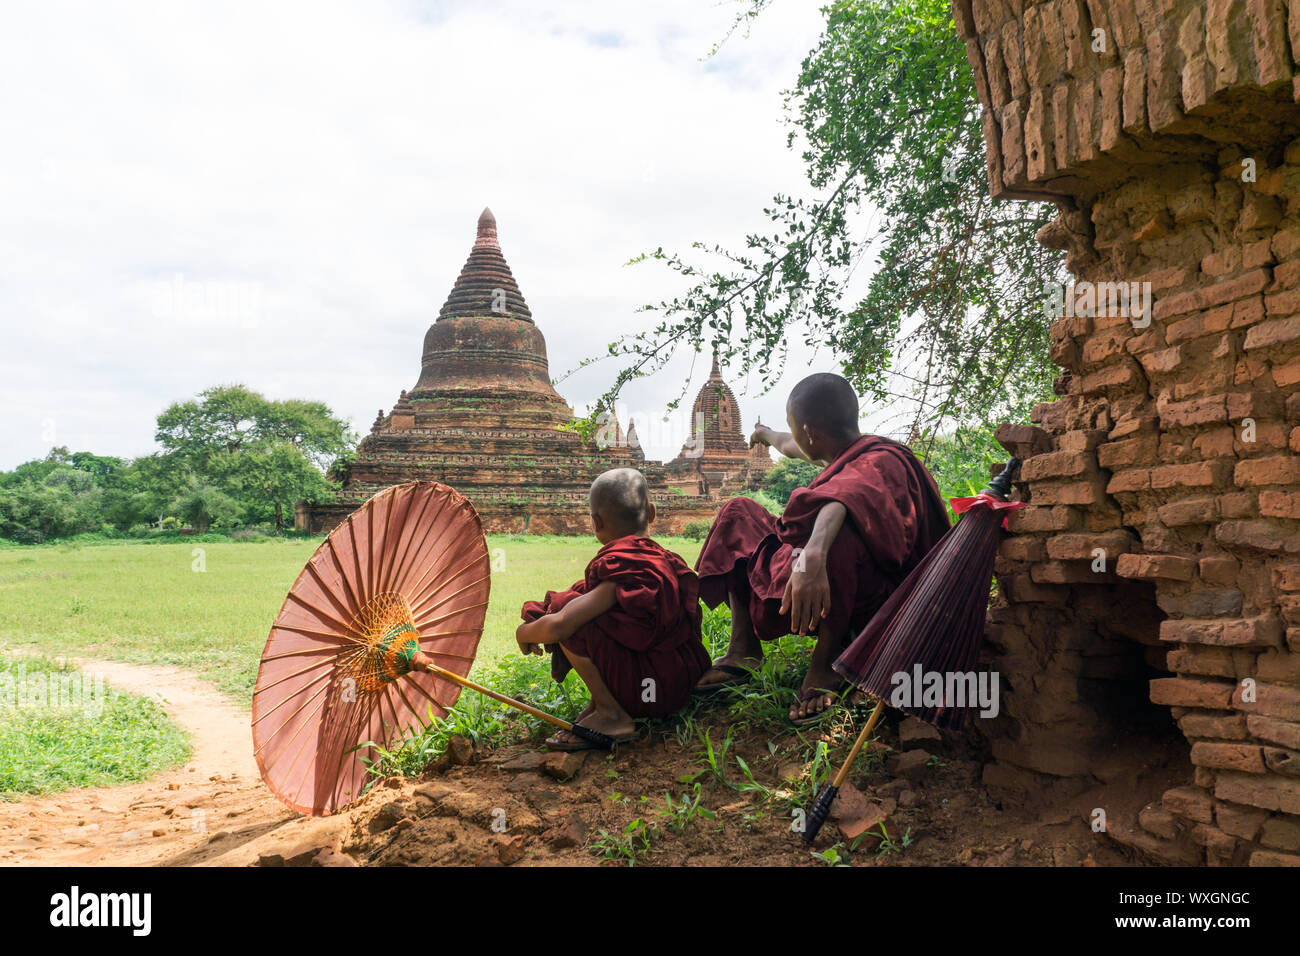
(593, 736)
(1001, 485)
(820, 810)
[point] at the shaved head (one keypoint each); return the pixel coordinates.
(826, 402)
(622, 499)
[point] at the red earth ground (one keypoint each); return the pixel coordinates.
(520, 806)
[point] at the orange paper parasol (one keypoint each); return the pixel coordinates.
(399, 587)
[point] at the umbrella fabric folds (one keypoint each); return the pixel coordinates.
(408, 572)
(932, 624)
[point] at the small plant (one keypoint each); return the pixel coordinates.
(716, 628)
(749, 784)
(685, 729)
(833, 855)
(635, 841)
(696, 530)
(804, 790)
(684, 812)
(714, 758)
(887, 844)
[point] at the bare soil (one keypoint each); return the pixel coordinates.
(181, 817)
(520, 806)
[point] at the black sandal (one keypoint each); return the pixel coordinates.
(577, 742)
(742, 675)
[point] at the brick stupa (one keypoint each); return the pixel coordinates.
(717, 461)
(484, 418)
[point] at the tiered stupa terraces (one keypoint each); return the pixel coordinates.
(484, 418)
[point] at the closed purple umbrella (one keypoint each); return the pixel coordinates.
(933, 623)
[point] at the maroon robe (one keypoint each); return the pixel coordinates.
(651, 633)
(895, 516)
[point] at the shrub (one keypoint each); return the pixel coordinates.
(787, 475)
(697, 530)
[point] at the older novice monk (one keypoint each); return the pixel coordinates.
(630, 627)
(841, 546)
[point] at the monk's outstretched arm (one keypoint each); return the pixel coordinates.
(808, 592)
(782, 441)
(560, 626)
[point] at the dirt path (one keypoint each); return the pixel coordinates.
(198, 813)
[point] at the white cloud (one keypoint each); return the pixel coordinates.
(282, 194)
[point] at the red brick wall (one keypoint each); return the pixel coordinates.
(1174, 447)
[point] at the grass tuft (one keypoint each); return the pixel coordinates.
(61, 729)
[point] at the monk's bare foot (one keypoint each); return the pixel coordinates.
(620, 729)
(728, 672)
(814, 696)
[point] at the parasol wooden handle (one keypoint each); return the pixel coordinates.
(823, 806)
(423, 662)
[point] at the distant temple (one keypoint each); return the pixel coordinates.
(717, 461)
(484, 418)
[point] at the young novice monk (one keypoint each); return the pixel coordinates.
(630, 627)
(838, 550)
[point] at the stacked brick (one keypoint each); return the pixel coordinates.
(1163, 531)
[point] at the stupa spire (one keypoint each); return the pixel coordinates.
(487, 231)
(485, 286)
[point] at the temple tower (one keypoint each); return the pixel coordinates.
(717, 458)
(484, 418)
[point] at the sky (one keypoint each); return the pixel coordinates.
(282, 194)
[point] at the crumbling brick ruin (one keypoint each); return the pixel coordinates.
(1150, 617)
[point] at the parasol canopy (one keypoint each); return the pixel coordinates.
(407, 572)
(934, 622)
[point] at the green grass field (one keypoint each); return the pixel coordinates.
(144, 602)
(59, 729)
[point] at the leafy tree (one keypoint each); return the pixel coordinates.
(265, 454)
(231, 418)
(157, 480)
(230, 454)
(960, 460)
(951, 324)
(37, 469)
(106, 469)
(65, 502)
(124, 509)
(200, 504)
(787, 475)
(268, 474)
